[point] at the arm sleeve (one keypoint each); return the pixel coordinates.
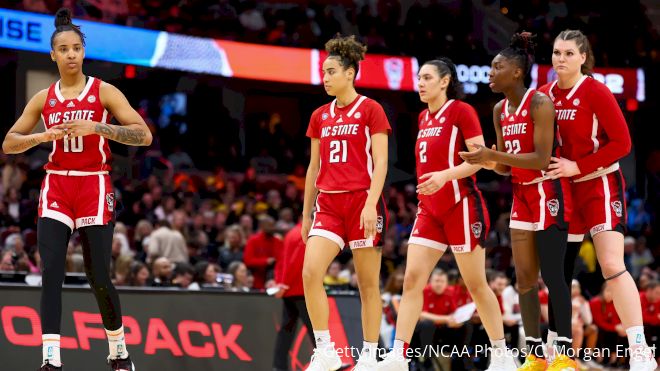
(313, 127)
(468, 122)
(611, 119)
(378, 122)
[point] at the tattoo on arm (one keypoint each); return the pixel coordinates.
(24, 146)
(130, 136)
(121, 134)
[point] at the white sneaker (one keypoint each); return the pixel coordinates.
(501, 361)
(325, 359)
(365, 364)
(643, 360)
(392, 362)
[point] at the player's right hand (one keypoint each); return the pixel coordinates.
(54, 133)
(306, 227)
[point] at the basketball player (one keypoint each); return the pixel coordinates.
(348, 165)
(77, 192)
(525, 127)
(594, 136)
(452, 213)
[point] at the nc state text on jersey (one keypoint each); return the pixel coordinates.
(430, 132)
(57, 117)
(514, 129)
(566, 114)
(331, 131)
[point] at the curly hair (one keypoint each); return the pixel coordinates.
(521, 50)
(348, 50)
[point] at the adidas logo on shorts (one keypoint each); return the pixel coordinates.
(54, 205)
(318, 224)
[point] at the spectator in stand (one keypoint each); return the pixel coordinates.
(650, 299)
(139, 275)
(141, 237)
(7, 261)
(641, 257)
(436, 324)
(241, 277)
(610, 330)
(585, 332)
(288, 278)
(206, 274)
(183, 276)
(333, 280)
(162, 272)
(167, 242)
(232, 250)
(261, 251)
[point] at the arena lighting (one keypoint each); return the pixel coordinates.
(140, 47)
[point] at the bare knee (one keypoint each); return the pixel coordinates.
(311, 275)
(611, 265)
(527, 279)
(476, 285)
(413, 281)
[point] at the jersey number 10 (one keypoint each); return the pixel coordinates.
(338, 151)
(74, 145)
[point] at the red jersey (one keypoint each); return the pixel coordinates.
(288, 268)
(650, 310)
(461, 295)
(518, 136)
(440, 137)
(442, 304)
(604, 314)
(345, 143)
(593, 131)
(258, 249)
(88, 153)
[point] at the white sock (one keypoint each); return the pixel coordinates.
(51, 349)
(399, 349)
(498, 348)
(500, 344)
(117, 343)
(636, 336)
(322, 338)
(369, 350)
(551, 337)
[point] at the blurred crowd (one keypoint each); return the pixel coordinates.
(386, 26)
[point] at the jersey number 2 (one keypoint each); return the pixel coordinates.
(512, 146)
(338, 151)
(73, 144)
(422, 152)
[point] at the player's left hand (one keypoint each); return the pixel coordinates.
(477, 155)
(562, 168)
(434, 181)
(368, 221)
(78, 128)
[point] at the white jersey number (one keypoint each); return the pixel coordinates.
(74, 145)
(338, 151)
(512, 146)
(422, 152)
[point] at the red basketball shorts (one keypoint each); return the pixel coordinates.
(463, 226)
(599, 204)
(337, 218)
(77, 201)
(537, 206)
